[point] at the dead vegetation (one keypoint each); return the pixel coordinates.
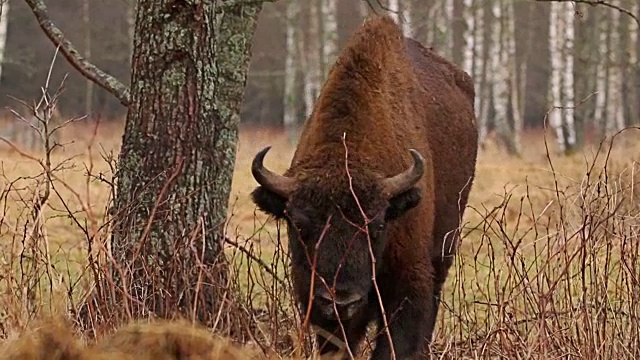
(548, 265)
(156, 340)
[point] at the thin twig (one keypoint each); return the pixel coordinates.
(600, 3)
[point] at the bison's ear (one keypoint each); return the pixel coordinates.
(269, 202)
(401, 203)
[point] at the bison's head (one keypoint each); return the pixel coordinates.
(334, 234)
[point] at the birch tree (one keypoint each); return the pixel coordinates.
(514, 132)
(636, 62)
(86, 20)
(4, 24)
(499, 85)
(499, 71)
(290, 68)
(364, 8)
(329, 31)
(473, 61)
(614, 120)
(401, 14)
(440, 32)
(603, 22)
(561, 95)
(309, 57)
(630, 92)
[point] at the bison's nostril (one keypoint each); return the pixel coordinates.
(340, 299)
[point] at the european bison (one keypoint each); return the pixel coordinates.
(410, 142)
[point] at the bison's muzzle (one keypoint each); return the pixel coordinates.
(340, 305)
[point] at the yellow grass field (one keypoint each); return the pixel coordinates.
(546, 266)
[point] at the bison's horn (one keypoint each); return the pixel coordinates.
(402, 182)
(278, 184)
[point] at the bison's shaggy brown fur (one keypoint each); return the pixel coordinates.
(157, 340)
(385, 95)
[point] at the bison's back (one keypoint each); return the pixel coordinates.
(448, 97)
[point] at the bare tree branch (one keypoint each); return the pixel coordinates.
(379, 3)
(602, 3)
(72, 55)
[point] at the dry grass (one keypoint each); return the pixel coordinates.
(548, 266)
(157, 340)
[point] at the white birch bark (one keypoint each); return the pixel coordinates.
(445, 27)
(633, 33)
(311, 65)
(568, 87)
(394, 10)
(4, 23)
(515, 130)
(562, 92)
(499, 73)
(480, 72)
(469, 37)
(635, 38)
(407, 24)
(86, 19)
(364, 9)
(329, 34)
(401, 14)
(632, 98)
(615, 111)
(440, 33)
(289, 119)
(556, 43)
(602, 70)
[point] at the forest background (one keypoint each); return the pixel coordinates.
(526, 57)
(549, 263)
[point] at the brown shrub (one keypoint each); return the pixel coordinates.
(157, 340)
(160, 340)
(50, 339)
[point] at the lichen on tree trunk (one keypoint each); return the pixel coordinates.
(189, 68)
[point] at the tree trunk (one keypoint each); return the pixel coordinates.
(615, 107)
(568, 90)
(290, 70)
(440, 33)
(86, 20)
(468, 56)
(189, 70)
(636, 100)
(602, 71)
(586, 61)
(515, 76)
(310, 63)
(407, 18)
(500, 72)
(562, 94)
(364, 9)
(329, 29)
(4, 22)
(394, 11)
(400, 12)
(480, 68)
(631, 68)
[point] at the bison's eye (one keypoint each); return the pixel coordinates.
(376, 229)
